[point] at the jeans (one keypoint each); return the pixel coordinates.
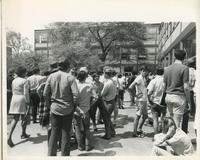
(82, 130)
(59, 124)
(106, 109)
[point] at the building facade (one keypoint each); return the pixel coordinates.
(132, 58)
(175, 35)
(129, 59)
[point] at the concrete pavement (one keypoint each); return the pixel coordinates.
(123, 144)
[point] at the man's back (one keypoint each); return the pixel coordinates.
(156, 86)
(174, 77)
(63, 90)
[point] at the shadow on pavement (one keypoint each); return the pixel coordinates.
(39, 139)
(22, 142)
(108, 153)
(101, 144)
(123, 120)
(126, 135)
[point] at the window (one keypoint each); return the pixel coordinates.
(43, 38)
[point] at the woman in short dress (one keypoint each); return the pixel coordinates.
(19, 102)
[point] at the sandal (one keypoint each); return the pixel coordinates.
(24, 136)
(141, 134)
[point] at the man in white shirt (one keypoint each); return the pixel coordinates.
(155, 93)
(141, 101)
(108, 95)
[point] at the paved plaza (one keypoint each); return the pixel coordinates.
(123, 144)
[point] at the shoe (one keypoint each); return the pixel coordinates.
(89, 148)
(113, 135)
(10, 143)
(24, 136)
(140, 132)
(122, 107)
(135, 135)
(81, 148)
(105, 137)
(100, 122)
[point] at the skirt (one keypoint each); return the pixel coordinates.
(18, 105)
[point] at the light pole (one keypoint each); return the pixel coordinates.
(120, 62)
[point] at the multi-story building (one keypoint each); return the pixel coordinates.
(176, 35)
(132, 58)
(129, 58)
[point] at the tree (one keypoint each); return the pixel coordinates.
(76, 41)
(22, 53)
(18, 43)
(70, 40)
(110, 34)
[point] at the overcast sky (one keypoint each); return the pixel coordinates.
(25, 16)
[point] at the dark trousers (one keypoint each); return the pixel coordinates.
(60, 124)
(93, 110)
(9, 96)
(34, 102)
(82, 131)
(193, 106)
(185, 122)
(106, 110)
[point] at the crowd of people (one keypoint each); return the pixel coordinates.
(66, 100)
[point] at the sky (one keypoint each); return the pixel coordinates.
(25, 16)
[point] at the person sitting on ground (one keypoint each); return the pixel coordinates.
(172, 140)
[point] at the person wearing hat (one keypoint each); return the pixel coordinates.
(60, 94)
(108, 95)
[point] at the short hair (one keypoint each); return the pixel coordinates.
(47, 73)
(82, 75)
(20, 71)
(35, 70)
(64, 65)
(144, 68)
(94, 75)
(179, 54)
(119, 76)
(169, 122)
(159, 71)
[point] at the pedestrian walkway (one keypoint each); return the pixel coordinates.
(123, 144)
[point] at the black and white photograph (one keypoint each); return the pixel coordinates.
(97, 87)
